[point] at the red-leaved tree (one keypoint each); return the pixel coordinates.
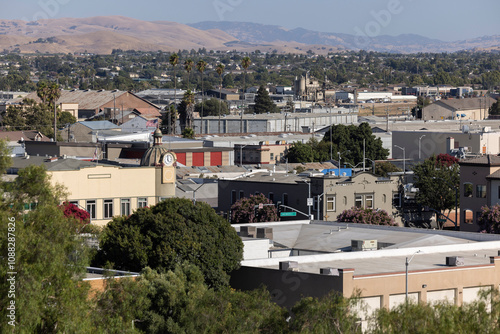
(73, 211)
(489, 219)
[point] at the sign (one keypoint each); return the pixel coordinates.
(288, 214)
(310, 201)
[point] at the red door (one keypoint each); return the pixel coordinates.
(216, 159)
(198, 159)
(181, 158)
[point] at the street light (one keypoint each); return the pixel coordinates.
(404, 159)
(341, 158)
(456, 199)
(407, 263)
(241, 153)
(419, 150)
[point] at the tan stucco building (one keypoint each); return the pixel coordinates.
(466, 109)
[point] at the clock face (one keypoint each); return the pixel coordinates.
(168, 159)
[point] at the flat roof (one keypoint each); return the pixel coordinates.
(331, 242)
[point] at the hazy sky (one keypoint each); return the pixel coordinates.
(442, 19)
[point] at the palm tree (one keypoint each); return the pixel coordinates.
(245, 63)
(201, 68)
(189, 104)
(220, 70)
(174, 60)
(188, 66)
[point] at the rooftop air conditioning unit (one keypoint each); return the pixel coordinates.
(454, 261)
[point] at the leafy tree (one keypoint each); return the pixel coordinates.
(263, 102)
(186, 109)
(169, 119)
(72, 211)
(210, 107)
(188, 133)
(49, 259)
(64, 118)
(489, 220)
(244, 211)
(383, 168)
(299, 152)
(437, 182)
(495, 108)
(172, 231)
(331, 313)
(366, 216)
(445, 160)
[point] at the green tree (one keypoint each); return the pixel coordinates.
(263, 102)
(174, 60)
(50, 259)
(174, 230)
(436, 183)
(64, 118)
(188, 133)
(186, 109)
(299, 152)
(366, 216)
(201, 66)
(188, 66)
(244, 210)
(331, 313)
(495, 108)
(245, 63)
(210, 107)
(383, 168)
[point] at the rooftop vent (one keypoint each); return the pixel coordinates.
(455, 261)
(329, 271)
(289, 265)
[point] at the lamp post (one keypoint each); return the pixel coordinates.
(419, 150)
(341, 158)
(456, 199)
(407, 263)
(404, 159)
(241, 154)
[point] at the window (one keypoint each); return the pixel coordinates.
(256, 193)
(358, 201)
(467, 189)
(242, 194)
(125, 206)
(368, 201)
(384, 198)
(142, 202)
(74, 203)
(272, 157)
(271, 197)
(285, 199)
(481, 191)
(233, 197)
(330, 203)
(108, 208)
(468, 216)
(364, 201)
(91, 208)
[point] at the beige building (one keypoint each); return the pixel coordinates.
(362, 190)
(466, 109)
(264, 153)
(107, 189)
(312, 259)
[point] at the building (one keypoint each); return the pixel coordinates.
(16, 140)
(332, 195)
(141, 123)
(84, 104)
(224, 94)
(465, 109)
(263, 153)
(289, 189)
(87, 131)
(275, 122)
(304, 259)
(422, 144)
(479, 181)
(309, 89)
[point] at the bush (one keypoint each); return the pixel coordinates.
(366, 216)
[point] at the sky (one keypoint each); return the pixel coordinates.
(446, 20)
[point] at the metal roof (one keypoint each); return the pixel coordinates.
(99, 125)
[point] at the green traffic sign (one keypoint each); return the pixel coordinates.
(288, 214)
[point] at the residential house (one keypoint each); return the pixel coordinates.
(87, 131)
